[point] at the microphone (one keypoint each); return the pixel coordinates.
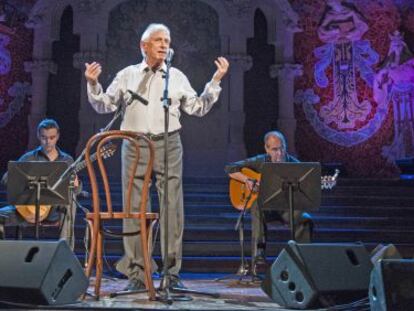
(135, 96)
(170, 55)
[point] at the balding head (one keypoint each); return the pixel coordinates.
(275, 146)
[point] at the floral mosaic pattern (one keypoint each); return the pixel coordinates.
(358, 148)
(15, 95)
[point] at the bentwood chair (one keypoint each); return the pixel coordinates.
(104, 213)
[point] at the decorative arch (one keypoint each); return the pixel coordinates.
(235, 26)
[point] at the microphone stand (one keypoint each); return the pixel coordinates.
(244, 266)
(165, 287)
(118, 113)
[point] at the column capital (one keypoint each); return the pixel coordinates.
(238, 9)
(286, 70)
(89, 6)
(79, 59)
(35, 22)
(291, 25)
(41, 66)
(243, 61)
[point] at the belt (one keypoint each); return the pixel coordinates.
(157, 137)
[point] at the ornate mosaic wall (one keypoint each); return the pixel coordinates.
(15, 89)
(343, 48)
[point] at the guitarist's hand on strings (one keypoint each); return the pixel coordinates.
(250, 183)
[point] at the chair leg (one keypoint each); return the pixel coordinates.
(99, 265)
(147, 262)
(151, 224)
(87, 241)
(92, 249)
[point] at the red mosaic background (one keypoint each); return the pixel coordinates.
(362, 160)
(15, 134)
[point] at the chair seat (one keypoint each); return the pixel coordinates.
(122, 215)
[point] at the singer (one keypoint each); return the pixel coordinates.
(146, 79)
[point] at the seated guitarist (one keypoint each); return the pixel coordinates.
(275, 146)
(48, 135)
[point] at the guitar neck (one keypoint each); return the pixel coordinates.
(82, 164)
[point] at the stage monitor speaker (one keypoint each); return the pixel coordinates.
(318, 275)
(392, 285)
(382, 251)
(40, 273)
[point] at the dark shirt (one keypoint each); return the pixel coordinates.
(254, 163)
(38, 155)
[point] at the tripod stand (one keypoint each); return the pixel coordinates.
(243, 270)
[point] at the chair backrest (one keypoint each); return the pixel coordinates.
(95, 150)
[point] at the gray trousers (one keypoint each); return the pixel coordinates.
(131, 264)
(303, 226)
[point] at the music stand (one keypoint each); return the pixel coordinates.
(290, 186)
(30, 183)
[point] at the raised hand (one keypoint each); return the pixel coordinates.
(222, 67)
(92, 72)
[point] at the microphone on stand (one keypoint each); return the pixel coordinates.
(135, 96)
(170, 55)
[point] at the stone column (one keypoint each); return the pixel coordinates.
(86, 121)
(40, 69)
(90, 22)
(234, 91)
(286, 122)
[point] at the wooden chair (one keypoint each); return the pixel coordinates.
(100, 215)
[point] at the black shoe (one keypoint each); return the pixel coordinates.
(260, 258)
(175, 282)
(135, 285)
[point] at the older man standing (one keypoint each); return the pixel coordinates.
(147, 116)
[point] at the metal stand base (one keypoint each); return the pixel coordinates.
(168, 294)
(243, 275)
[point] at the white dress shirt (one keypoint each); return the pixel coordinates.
(150, 118)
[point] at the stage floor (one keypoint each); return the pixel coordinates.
(233, 295)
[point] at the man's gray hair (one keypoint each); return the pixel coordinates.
(276, 134)
(151, 29)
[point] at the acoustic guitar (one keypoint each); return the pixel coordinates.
(239, 193)
(28, 212)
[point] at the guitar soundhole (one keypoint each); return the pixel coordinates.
(30, 255)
